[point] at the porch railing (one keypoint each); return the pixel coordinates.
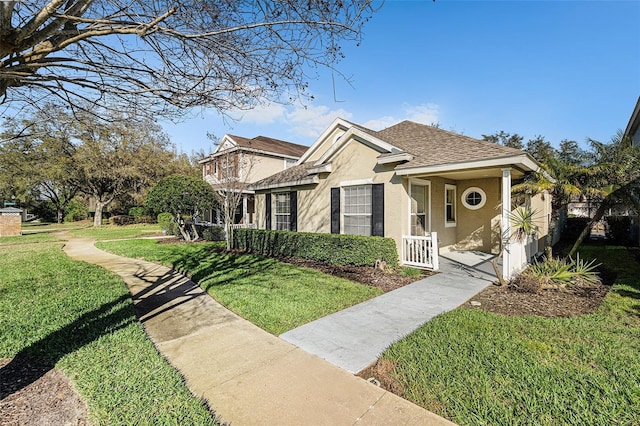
(521, 253)
(420, 251)
(243, 226)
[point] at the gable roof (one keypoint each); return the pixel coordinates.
(266, 144)
(431, 146)
(261, 144)
(414, 147)
(634, 123)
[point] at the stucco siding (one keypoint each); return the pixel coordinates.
(258, 167)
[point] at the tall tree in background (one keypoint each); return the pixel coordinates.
(505, 139)
(540, 149)
(120, 156)
(41, 158)
(616, 167)
(160, 58)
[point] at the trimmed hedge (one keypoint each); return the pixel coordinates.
(336, 249)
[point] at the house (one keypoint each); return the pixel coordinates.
(238, 161)
(431, 190)
(633, 127)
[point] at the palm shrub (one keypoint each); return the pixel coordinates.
(558, 273)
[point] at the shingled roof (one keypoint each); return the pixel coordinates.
(432, 146)
(427, 146)
(277, 146)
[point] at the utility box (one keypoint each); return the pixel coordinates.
(10, 222)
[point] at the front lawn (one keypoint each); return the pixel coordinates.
(115, 232)
(79, 318)
(480, 368)
(275, 296)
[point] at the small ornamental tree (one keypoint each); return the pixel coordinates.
(184, 197)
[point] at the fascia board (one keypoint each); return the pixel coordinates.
(524, 161)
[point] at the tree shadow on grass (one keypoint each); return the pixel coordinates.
(222, 268)
(35, 360)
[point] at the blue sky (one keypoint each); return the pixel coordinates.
(560, 69)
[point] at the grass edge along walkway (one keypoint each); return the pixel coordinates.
(79, 317)
(476, 367)
(247, 373)
(274, 295)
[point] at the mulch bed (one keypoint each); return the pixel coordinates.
(47, 399)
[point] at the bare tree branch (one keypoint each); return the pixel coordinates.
(166, 56)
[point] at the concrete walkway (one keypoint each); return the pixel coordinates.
(355, 337)
(245, 374)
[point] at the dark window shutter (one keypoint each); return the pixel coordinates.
(267, 211)
(335, 210)
(293, 209)
(377, 210)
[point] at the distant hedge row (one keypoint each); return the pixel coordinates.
(336, 249)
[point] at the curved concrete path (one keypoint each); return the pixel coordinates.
(245, 374)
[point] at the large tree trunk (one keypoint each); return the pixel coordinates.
(97, 218)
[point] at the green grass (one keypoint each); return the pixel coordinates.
(478, 368)
(80, 318)
(273, 295)
(45, 228)
(115, 232)
(28, 238)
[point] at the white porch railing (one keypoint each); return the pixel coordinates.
(520, 255)
(243, 225)
(420, 251)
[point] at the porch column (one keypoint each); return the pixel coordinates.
(505, 222)
(245, 209)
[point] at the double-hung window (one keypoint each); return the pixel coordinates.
(282, 209)
(357, 210)
(419, 209)
(450, 205)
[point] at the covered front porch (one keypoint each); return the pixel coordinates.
(463, 215)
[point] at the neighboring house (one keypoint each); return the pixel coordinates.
(239, 161)
(430, 190)
(633, 127)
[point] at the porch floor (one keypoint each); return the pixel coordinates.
(354, 338)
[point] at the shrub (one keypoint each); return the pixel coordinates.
(76, 211)
(334, 249)
(121, 220)
(213, 233)
(165, 220)
(561, 272)
(618, 229)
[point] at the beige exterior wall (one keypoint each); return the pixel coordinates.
(356, 164)
(254, 167)
(479, 229)
(257, 167)
(541, 205)
(329, 142)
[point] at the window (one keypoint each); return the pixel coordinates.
(282, 209)
(357, 210)
(419, 198)
(474, 198)
(449, 205)
(288, 162)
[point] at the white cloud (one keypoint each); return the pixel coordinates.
(312, 121)
(262, 114)
(423, 113)
(380, 123)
